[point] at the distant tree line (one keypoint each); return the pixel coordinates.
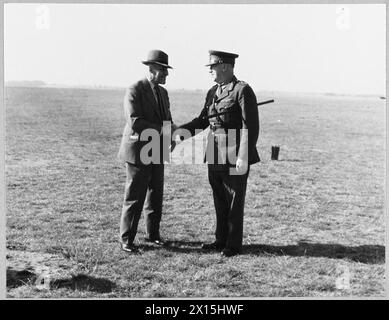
(25, 83)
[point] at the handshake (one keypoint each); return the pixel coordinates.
(174, 135)
(169, 131)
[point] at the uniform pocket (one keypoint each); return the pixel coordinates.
(230, 109)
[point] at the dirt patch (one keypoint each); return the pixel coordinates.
(46, 271)
(33, 268)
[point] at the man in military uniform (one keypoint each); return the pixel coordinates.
(231, 148)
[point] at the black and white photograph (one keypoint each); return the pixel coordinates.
(195, 151)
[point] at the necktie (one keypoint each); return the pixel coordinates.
(219, 90)
(160, 103)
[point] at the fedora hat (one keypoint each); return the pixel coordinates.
(157, 57)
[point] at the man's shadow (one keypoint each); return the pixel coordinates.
(369, 254)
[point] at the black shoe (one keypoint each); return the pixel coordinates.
(129, 248)
(229, 252)
(213, 246)
(157, 241)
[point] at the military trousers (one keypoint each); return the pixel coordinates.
(229, 192)
(144, 187)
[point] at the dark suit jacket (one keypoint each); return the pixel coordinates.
(142, 112)
(239, 99)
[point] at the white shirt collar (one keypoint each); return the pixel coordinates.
(152, 84)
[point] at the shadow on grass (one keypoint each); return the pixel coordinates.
(369, 254)
(17, 278)
(290, 160)
(84, 282)
(184, 246)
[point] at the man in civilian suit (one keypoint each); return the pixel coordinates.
(146, 107)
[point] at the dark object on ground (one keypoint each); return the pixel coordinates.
(275, 150)
(83, 282)
(17, 278)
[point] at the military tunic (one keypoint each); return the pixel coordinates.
(232, 135)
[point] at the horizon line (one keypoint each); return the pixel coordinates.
(42, 84)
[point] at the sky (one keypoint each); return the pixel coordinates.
(300, 47)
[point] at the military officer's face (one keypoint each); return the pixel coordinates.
(158, 74)
(216, 72)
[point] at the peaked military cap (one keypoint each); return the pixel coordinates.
(216, 57)
(157, 57)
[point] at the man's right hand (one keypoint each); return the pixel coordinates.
(166, 130)
(172, 146)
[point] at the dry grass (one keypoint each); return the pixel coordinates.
(312, 218)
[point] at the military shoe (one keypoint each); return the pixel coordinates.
(157, 241)
(229, 252)
(213, 246)
(130, 248)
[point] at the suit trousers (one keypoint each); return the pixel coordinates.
(229, 193)
(144, 187)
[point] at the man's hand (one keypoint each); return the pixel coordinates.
(174, 127)
(172, 146)
(175, 137)
(175, 141)
(241, 166)
(166, 129)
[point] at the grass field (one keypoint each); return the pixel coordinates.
(314, 220)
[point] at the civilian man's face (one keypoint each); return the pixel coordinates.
(158, 74)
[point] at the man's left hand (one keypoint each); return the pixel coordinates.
(174, 127)
(241, 166)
